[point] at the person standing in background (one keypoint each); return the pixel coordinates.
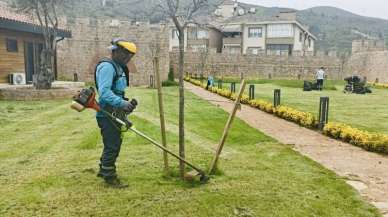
(320, 76)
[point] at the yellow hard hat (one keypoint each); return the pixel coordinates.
(131, 47)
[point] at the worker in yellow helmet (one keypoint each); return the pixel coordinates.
(111, 79)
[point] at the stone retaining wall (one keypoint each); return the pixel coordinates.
(91, 38)
(251, 66)
(28, 93)
(373, 65)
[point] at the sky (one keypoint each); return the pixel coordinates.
(370, 8)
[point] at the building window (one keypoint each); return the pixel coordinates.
(280, 30)
(309, 42)
(300, 37)
(255, 32)
(175, 34)
(279, 49)
(202, 34)
(12, 45)
(195, 33)
(199, 48)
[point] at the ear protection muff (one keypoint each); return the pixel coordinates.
(119, 42)
(115, 42)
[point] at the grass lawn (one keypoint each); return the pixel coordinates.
(368, 112)
(49, 156)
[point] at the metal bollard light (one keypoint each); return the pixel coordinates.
(152, 83)
(323, 112)
(220, 84)
(233, 87)
(276, 97)
(251, 91)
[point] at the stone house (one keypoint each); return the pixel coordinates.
(196, 38)
(277, 35)
(21, 42)
(236, 28)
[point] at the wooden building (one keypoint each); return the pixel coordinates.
(21, 42)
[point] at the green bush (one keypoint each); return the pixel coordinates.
(169, 83)
(171, 73)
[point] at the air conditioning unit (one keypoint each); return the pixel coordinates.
(17, 78)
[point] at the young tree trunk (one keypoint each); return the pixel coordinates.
(181, 103)
(47, 16)
(44, 77)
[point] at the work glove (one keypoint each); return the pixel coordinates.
(128, 107)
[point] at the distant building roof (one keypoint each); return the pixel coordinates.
(209, 21)
(12, 20)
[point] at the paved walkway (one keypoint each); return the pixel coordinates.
(365, 171)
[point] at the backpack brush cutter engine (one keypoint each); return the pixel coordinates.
(86, 99)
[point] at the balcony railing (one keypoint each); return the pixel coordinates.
(236, 40)
(198, 42)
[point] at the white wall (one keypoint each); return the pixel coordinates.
(253, 42)
(298, 46)
(311, 49)
(175, 42)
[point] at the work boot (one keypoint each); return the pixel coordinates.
(100, 172)
(103, 172)
(114, 182)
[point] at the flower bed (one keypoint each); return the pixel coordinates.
(379, 85)
(369, 141)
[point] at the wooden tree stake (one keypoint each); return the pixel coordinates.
(161, 113)
(213, 165)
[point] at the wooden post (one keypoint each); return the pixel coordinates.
(161, 113)
(213, 165)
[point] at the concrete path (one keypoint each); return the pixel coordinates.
(365, 171)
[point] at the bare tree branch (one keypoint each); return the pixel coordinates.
(181, 15)
(46, 13)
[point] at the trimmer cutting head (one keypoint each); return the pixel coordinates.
(196, 176)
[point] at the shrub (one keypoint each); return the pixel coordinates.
(171, 74)
(379, 85)
(169, 83)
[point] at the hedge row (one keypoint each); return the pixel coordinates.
(379, 85)
(369, 141)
